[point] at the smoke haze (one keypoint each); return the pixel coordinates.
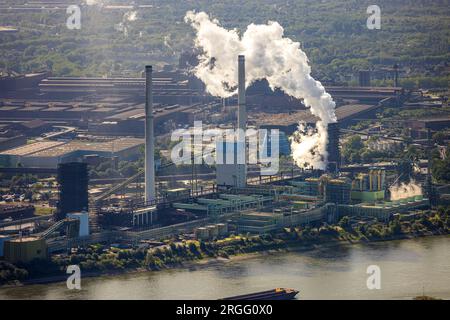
(405, 190)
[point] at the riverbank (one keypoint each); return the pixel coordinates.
(293, 247)
(209, 262)
(409, 268)
(99, 260)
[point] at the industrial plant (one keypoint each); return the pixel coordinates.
(293, 149)
(163, 199)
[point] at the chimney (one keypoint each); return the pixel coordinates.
(241, 167)
(242, 112)
(149, 138)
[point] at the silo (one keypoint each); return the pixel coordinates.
(202, 233)
(223, 229)
(213, 231)
(25, 249)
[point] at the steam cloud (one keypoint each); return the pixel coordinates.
(404, 190)
(271, 56)
(130, 16)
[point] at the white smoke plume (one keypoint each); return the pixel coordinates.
(130, 16)
(271, 56)
(405, 190)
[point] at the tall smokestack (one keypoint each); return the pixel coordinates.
(241, 166)
(242, 112)
(149, 138)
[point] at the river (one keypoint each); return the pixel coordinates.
(408, 268)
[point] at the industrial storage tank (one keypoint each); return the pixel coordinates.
(25, 249)
(83, 217)
(202, 233)
(213, 231)
(223, 229)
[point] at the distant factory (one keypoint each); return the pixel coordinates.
(169, 87)
(12, 81)
(236, 202)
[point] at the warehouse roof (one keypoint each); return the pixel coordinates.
(116, 145)
(33, 124)
(31, 148)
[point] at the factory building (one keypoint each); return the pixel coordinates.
(369, 187)
(337, 191)
(169, 87)
(12, 81)
(264, 222)
(419, 127)
(365, 188)
(11, 142)
(308, 187)
(31, 128)
(331, 190)
(131, 122)
(284, 145)
(49, 154)
(261, 94)
(383, 210)
(16, 211)
(128, 217)
(24, 154)
(229, 172)
(72, 110)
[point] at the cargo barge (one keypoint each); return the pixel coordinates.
(274, 294)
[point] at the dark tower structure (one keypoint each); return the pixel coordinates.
(73, 188)
(364, 78)
(334, 154)
(396, 75)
